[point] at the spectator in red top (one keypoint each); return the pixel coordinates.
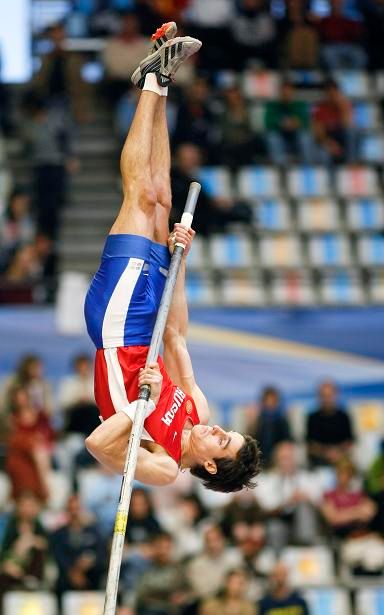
(333, 128)
(342, 40)
(28, 459)
(347, 509)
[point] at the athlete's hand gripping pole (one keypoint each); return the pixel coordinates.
(137, 428)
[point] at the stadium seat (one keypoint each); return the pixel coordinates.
(365, 214)
(30, 603)
(328, 250)
(292, 288)
(366, 115)
(380, 83)
(5, 490)
(318, 215)
(256, 116)
(356, 181)
(372, 148)
(196, 256)
(199, 289)
(241, 289)
(371, 250)
(354, 83)
(341, 287)
(83, 603)
(60, 488)
(370, 601)
(309, 566)
(231, 251)
(260, 84)
(308, 182)
(258, 182)
(282, 251)
(306, 78)
(368, 421)
(272, 215)
(328, 601)
(376, 287)
(216, 181)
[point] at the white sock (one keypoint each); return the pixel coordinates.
(151, 85)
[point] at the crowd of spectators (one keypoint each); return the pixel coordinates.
(187, 551)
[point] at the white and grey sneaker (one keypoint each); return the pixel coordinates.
(162, 35)
(166, 60)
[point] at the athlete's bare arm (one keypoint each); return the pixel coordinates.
(108, 443)
(176, 356)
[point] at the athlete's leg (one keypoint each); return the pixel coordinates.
(161, 169)
(138, 211)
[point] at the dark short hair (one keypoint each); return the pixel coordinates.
(233, 474)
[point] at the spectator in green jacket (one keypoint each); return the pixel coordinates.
(374, 482)
(287, 123)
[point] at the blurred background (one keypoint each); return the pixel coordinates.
(280, 118)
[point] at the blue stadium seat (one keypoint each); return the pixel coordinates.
(376, 287)
(282, 251)
(365, 214)
(260, 83)
(306, 78)
(371, 250)
(231, 252)
(292, 288)
(272, 215)
(372, 148)
(199, 289)
(354, 83)
(319, 214)
(196, 256)
(356, 181)
(341, 287)
(366, 115)
(216, 181)
(328, 601)
(370, 601)
(308, 182)
(328, 250)
(258, 182)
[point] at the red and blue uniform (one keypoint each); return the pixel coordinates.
(120, 312)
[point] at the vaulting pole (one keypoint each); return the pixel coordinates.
(137, 427)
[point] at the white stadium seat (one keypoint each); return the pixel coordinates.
(309, 566)
(241, 289)
(282, 251)
(319, 214)
(341, 287)
(370, 601)
(328, 601)
(260, 84)
(368, 422)
(83, 603)
(30, 603)
(376, 287)
(292, 288)
(356, 181)
(197, 256)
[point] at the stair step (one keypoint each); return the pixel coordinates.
(86, 215)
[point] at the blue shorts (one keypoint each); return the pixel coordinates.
(124, 297)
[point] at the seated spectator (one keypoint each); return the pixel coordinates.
(185, 522)
(346, 509)
(254, 34)
(232, 598)
(268, 423)
(342, 40)
(100, 497)
(290, 495)
(30, 376)
(287, 126)
(333, 128)
(195, 120)
(28, 457)
(59, 81)
(300, 49)
(18, 226)
(20, 277)
(78, 551)
(242, 512)
(329, 432)
(257, 556)
(363, 555)
(163, 588)
(24, 549)
(375, 487)
(142, 522)
(209, 22)
(77, 399)
(281, 598)
(206, 571)
(237, 143)
(213, 213)
(122, 54)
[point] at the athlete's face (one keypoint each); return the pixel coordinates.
(209, 443)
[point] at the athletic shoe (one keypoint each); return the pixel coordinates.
(166, 60)
(162, 35)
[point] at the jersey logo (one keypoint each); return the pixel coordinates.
(178, 399)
